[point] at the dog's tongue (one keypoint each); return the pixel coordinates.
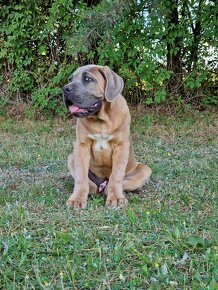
(75, 109)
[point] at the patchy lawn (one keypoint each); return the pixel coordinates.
(165, 239)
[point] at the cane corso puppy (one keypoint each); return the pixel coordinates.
(103, 158)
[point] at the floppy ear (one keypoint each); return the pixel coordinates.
(114, 83)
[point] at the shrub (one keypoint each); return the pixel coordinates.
(158, 48)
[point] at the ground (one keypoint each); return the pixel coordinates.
(165, 239)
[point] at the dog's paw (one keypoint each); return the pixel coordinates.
(116, 201)
(76, 202)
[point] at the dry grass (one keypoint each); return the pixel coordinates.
(165, 239)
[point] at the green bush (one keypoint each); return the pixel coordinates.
(42, 42)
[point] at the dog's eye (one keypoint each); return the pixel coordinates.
(87, 79)
(70, 79)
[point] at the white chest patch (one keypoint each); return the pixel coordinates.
(101, 140)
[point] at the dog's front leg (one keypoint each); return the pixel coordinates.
(115, 194)
(79, 165)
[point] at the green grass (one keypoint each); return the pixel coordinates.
(165, 239)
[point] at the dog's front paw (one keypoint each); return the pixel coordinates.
(114, 200)
(77, 202)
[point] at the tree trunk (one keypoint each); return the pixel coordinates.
(91, 3)
(196, 30)
(174, 46)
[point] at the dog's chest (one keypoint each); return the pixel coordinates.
(101, 140)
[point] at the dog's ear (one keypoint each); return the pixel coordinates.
(114, 83)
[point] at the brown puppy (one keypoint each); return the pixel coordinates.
(103, 157)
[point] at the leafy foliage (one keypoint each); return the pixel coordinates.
(163, 50)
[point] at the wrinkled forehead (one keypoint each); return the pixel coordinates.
(93, 70)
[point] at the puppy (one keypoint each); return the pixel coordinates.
(103, 158)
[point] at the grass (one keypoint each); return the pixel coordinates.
(165, 239)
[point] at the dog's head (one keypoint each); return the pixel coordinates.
(88, 87)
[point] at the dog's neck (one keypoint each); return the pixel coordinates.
(103, 114)
(106, 117)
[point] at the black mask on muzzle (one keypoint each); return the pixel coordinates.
(88, 107)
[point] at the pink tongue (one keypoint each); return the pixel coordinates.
(74, 109)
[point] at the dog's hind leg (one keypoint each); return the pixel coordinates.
(137, 178)
(92, 187)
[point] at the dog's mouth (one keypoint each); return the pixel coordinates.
(80, 112)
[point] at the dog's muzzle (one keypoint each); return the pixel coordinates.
(80, 105)
(81, 112)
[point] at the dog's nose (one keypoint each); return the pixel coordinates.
(67, 88)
